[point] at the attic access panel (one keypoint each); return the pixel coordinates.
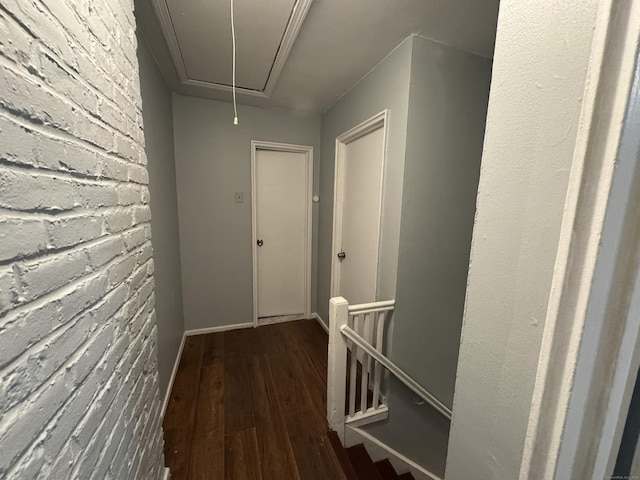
(198, 34)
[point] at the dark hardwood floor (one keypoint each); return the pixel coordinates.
(251, 404)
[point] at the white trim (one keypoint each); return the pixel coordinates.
(280, 319)
(290, 34)
(416, 469)
(370, 416)
(176, 364)
(400, 374)
(320, 321)
(380, 120)
(222, 328)
(225, 88)
(283, 147)
(298, 14)
(337, 366)
(167, 474)
(363, 308)
(578, 404)
(166, 25)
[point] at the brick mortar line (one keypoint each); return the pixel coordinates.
(140, 451)
(58, 333)
(71, 397)
(46, 298)
(132, 25)
(104, 390)
(156, 425)
(54, 133)
(143, 452)
(26, 214)
(74, 174)
(121, 443)
(115, 41)
(61, 329)
(87, 30)
(77, 43)
(63, 65)
(67, 175)
(76, 247)
(27, 76)
(100, 95)
(53, 336)
(46, 253)
(8, 214)
(41, 436)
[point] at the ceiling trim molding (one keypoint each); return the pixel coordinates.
(300, 10)
(296, 20)
(166, 25)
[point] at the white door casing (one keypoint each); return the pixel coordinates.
(590, 352)
(281, 210)
(360, 159)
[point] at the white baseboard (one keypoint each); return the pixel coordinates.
(223, 328)
(167, 474)
(378, 451)
(321, 322)
(167, 394)
(280, 319)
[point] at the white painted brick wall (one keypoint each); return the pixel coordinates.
(78, 361)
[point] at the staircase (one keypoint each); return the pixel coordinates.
(357, 383)
(357, 464)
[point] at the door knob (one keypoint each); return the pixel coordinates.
(260, 242)
(342, 255)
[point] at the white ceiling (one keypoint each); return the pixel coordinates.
(338, 43)
(259, 30)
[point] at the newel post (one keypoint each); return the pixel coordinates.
(337, 365)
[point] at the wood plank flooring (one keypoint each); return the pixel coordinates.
(251, 404)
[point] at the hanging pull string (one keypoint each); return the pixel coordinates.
(233, 75)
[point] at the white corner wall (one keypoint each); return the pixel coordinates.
(540, 64)
(213, 161)
(78, 374)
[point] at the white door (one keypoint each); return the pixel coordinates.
(281, 182)
(361, 167)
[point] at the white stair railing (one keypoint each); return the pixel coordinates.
(360, 329)
(369, 322)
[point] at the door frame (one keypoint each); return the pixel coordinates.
(379, 120)
(289, 148)
(590, 351)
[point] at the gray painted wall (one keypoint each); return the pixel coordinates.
(387, 86)
(447, 112)
(157, 113)
(447, 109)
(213, 161)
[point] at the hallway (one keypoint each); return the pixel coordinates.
(251, 404)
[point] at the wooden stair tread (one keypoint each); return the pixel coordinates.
(386, 470)
(406, 476)
(357, 464)
(342, 456)
(362, 463)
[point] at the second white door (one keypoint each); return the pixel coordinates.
(361, 163)
(281, 184)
